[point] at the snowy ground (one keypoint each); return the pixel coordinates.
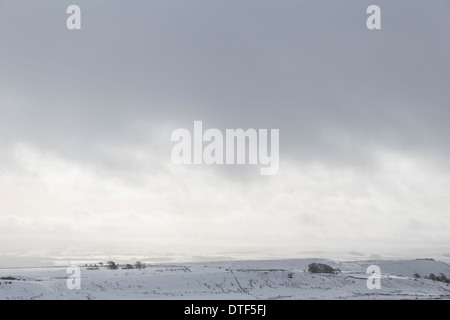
(272, 279)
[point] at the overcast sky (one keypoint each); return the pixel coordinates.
(86, 120)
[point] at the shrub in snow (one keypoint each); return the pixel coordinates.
(92, 268)
(441, 277)
(432, 276)
(425, 259)
(321, 268)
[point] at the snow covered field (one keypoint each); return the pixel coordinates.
(263, 279)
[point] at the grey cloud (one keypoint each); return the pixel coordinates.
(307, 69)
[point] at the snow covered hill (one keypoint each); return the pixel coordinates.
(271, 279)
